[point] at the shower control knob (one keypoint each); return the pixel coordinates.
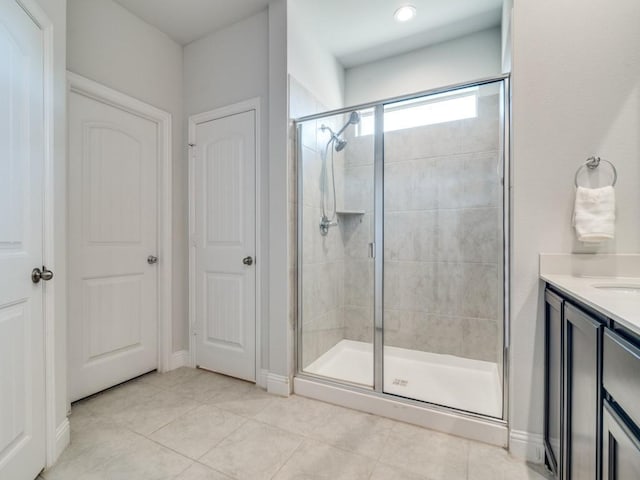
(247, 260)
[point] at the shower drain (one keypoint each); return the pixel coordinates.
(400, 382)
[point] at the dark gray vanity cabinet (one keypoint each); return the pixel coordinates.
(554, 305)
(582, 394)
(620, 447)
(592, 393)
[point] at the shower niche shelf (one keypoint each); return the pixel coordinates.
(346, 213)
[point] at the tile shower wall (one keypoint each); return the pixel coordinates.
(323, 257)
(443, 240)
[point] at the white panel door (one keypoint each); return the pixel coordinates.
(225, 183)
(22, 405)
(113, 307)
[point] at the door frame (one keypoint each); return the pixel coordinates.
(194, 121)
(98, 92)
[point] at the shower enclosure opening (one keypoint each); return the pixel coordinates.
(401, 289)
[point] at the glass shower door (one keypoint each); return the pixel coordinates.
(443, 249)
(335, 265)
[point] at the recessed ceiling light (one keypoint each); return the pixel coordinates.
(405, 13)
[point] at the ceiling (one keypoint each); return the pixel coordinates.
(354, 31)
(361, 31)
(188, 20)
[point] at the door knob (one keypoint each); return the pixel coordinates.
(152, 259)
(44, 274)
(247, 261)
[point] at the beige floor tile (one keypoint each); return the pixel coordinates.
(120, 398)
(434, 455)
(159, 410)
(297, 414)
(355, 431)
(318, 461)
(253, 452)
(170, 379)
(386, 472)
(97, 441)
(203, 385)
(196, 432)
(198, 471)
(143, 459)
(244, 399)
(492, 463)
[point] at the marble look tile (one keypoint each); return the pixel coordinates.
(360, 151)
(157, 411)
(358, 188)
(143, 459)
(253, 452)
(411, 285)
(424, 452)
(479, 295)
(316, 460)
(194, 433)
(356, 232)
(481, 239)
(481, 340)
(358, 283)
(198, 471)
(356, 432)
(358, 323)
(297, 414)
(322, 289)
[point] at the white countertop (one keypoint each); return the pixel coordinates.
(622, 307)
(577, 275)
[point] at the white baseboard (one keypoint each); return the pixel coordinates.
(278, 385)
(179, 359)
(62, 440)
(261, 379)
(527, 446)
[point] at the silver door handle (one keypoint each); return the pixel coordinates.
(44, 274)
(152, 259)
(247, 260)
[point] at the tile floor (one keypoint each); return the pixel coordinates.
(195, 425)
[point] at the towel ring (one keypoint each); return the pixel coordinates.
(592, 163)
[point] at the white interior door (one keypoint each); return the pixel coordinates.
(225, 194)
(113, 317)
(22, 404)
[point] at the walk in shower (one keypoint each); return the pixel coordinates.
(401, 247)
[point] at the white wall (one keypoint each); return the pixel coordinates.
(110, 45)
(464, 59)
(576, 93)
(56, 11)
(225, 67)
(311, 64)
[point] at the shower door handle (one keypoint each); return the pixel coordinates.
(372, 250)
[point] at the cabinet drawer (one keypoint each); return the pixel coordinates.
(621, 373)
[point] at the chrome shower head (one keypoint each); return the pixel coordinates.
(340, 144)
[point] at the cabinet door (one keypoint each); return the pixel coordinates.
(582, 340)
(620, 448)
(553, 381)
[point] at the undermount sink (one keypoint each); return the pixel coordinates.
(633, 288)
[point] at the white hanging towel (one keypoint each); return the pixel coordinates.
(594, 215)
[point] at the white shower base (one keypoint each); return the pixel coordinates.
(462, 383)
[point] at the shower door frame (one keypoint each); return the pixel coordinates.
(378, 239)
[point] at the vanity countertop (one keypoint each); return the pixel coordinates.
(580, 275)
(622, 306)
